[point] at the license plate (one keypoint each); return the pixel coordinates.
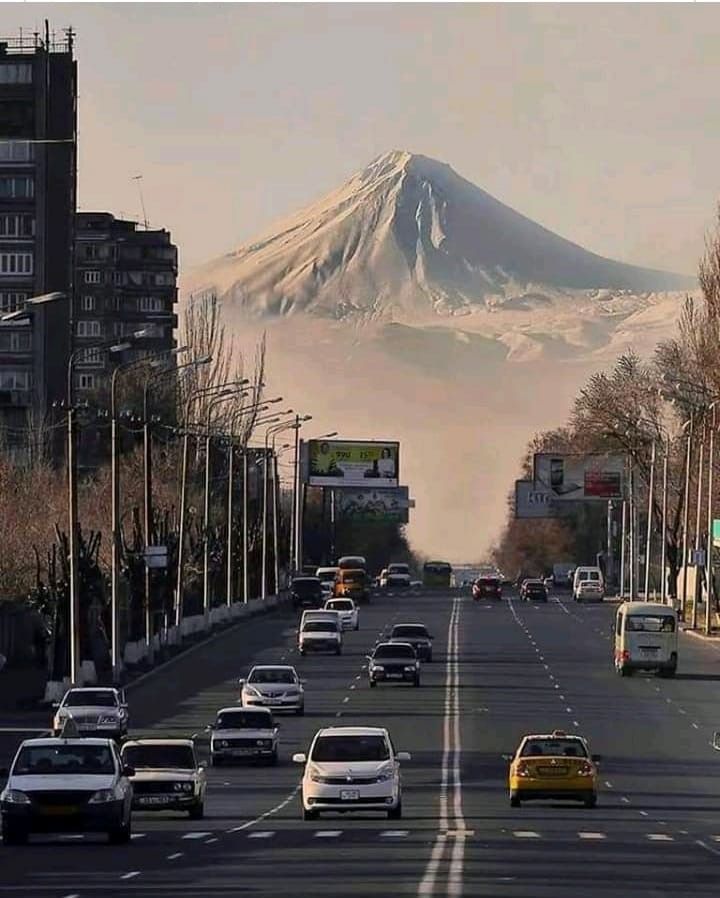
(242, 751)
(60, 810)
(154, 799)
(272, 701)
(552, 771)
(394, 676)
(647, 651)
(349, 794)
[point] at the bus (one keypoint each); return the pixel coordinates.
(437, 575)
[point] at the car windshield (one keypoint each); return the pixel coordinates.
(650, 623)
(340, 605)
(306, 587)
(553, 748)
(273, 675)
(398, 569)
(410, 631)
(394, 651)
(589, 575)
(488, 581)
(352, 576)
(326, 573)
(350, 748)
(140, 757)
(65, 759)
(320, 626)
(101, 698)
(243, 720)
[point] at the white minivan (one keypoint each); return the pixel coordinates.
(646, 638)
(594, 584)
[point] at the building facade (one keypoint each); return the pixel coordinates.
(38, 91)
(125, 282)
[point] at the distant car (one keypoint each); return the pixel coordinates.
(549, 582)
(167, 775)
(307, 592)
(67, 785)
(351, 769)
(418, 637)
(487, 588)
(382, 578)
(589, 591)
(352, 583)
(327, 577)
(320, 635)
(275, 686)
(243, 734)
(348, 612)
(97, 711)
(393, 662)
(397, 576)
(556, 766)
(534, 591)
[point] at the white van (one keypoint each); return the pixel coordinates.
(646, 638)
(590, 575)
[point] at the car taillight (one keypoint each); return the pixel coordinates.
(522, 769)
(585, 770)
(625, 655)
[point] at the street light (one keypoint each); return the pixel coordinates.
(296, 538)
(277, 428)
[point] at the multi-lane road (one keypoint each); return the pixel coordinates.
(500, 670)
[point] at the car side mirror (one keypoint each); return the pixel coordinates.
(597, 759)
(716, 741)
(507, 757)
(403, 756)
(128, 770)
(56, 705)
(209, 728)
(299, 758)
(241, 682)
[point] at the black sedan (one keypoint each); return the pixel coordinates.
(534, 591)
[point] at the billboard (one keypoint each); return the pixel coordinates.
(531, 502)
(374, 505)
(580, 477)
(353, 463)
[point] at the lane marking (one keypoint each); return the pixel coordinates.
(643, 813)
(195, 835)
(278, 807)
(175, 856)
(526, 834)
(131, 875)
(659, 837)
(625, 800)
(707, 847)
(395, 833)
(138, 835)
(592, 835)
(328, 833)
(210, 841)
(261, 834)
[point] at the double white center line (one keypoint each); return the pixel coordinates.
(452, 821)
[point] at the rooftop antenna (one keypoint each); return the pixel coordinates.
(138, 178)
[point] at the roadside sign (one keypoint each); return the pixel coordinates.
(156, 556)
(716, 533)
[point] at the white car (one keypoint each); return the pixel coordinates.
(348, 612)
(327, 577)
(275, 686)
(320, 635)
(589, 590)
(243, 733)
(396, 576)
(351, 769)
(97, 711)
(167, 775)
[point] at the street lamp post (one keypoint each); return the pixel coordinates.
(710, 535)
(688, 457)
(698, 512)
(648, 538)
(663, 547)
(271, 431)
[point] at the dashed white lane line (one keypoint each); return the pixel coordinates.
(138, 836)
(695, 726)
(262, 834)
(395, 833)
(328, 833)
(643, 813)
(575, 723)
(659, 837)
(196, 835)
(353, 686)
(346, 699)
(74, 895)
(131, 875)
(707, 847)
(592, 835)
(625, 800)
(210, 841)
(175, 856)
(526, 834)
(278, 807)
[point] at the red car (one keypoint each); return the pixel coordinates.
(487, 588)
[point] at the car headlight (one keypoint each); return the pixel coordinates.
(108, 719)
(251, 690)
(264, 743)
(377, 667)
(316, 776)
(221, 743)
(15, 796)
(409, 667)
(183, 787)
(385, 775)
(102, 796)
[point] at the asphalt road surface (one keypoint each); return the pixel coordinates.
(500, 670)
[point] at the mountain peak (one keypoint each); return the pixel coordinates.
(408, 235)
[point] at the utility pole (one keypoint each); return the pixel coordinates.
(610, 561)
(698, 511)
(686, 516)
(709, 558)
(648, 538)
(623, 545)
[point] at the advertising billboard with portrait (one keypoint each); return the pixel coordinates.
(362, 504)
(353, 463)
(572, 478)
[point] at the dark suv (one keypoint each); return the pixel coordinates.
(306, 592)
(534, 591)
(487, 588)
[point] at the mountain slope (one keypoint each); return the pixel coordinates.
(409, 236)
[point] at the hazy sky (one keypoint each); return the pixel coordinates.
(598, 121)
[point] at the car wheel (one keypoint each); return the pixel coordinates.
(396, 812)
(514, 800)
(625, 671)
(120, 835)
(197, 812)
(357, 626)
(273, 759)
(302, 651)
(373, 684)
(309, 814)
(14, 835)
(416, 681)
(300, 711)
(591, 801)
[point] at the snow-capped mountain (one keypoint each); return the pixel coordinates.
(407, 236)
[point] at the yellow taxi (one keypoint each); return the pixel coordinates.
(556, 766)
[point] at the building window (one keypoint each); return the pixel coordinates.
(119, 278)
(15, 342)
(17, 188)
(164, 279)
(16, 73)
(91, 357)
(91, 277)
(16, 151)
(16, 263)
(11, 301)
(89, 329)
(150, 304)
(95, 251)
(14, 380)
(12, 225)
(87, 303)
(87, 381)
